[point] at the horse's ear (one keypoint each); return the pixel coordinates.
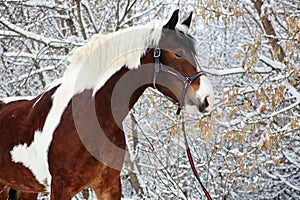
(173, 21)
(187, 21)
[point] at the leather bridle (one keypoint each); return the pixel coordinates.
(187, 81)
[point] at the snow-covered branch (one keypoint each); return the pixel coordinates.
(41, 4)
(51, 42)
(233, 71)
(295, 94)
(26, 75)
(272, 63)
(32, 56)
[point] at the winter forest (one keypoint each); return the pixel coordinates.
(247, 147)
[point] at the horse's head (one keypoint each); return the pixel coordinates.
(177, 74)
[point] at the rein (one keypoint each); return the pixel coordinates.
(191, 161)
(158, 66)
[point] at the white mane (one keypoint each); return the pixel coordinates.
(105, 54)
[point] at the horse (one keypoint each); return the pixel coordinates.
(70, 136)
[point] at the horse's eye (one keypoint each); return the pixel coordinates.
(179, 54)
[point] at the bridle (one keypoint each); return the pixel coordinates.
(158, 66)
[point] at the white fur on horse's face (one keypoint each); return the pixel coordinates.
(205, 91)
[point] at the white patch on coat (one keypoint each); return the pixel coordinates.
(33, 158)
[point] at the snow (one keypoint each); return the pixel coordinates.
(294, 94)
(272, 63)
(25, 76)
(37, 37)
(234, 71)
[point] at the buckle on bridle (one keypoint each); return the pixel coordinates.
(156, 52)
(188, 80)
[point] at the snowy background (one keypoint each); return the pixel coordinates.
(247, 148)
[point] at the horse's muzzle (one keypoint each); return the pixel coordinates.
(195, 105)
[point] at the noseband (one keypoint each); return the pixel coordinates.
(187, 81)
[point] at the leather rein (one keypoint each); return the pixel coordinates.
(158, 66)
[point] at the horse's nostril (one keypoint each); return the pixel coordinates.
(205, 103)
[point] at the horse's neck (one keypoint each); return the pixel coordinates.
(121, 91)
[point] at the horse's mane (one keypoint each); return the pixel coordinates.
(94, 63)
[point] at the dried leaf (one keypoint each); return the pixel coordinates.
(233, 112)
(276, 161)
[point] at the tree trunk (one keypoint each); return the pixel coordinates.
(269, 29)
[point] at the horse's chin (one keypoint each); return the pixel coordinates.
(192, 109)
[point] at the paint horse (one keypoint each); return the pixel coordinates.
(70, 137)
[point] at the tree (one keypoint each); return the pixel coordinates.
(246, 148)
